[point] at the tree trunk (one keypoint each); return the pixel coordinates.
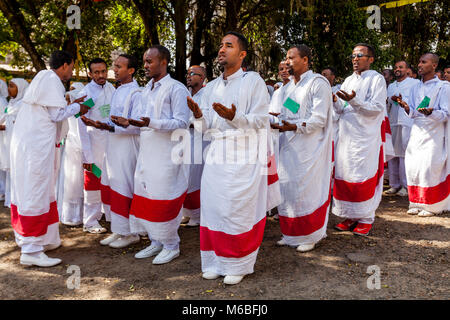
(149, 14)
(180, 34)
(11, 11)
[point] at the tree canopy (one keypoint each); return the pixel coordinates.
(31, 29)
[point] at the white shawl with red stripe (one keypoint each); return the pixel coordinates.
(359, 162)
(306, 161)
(428, 152)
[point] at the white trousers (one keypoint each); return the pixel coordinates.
(397, 172)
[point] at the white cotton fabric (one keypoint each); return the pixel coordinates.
(357, 152)
(306, 155)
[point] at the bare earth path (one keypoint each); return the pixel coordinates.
(411, 253)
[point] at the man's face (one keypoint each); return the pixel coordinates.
(12, 90)
(283, 71)
(329, 75)
(362, 63)
(153, 66)
(294, 63)
(229, 51)
(67, 70)
(400, 69)
(447, 74)
(194, 77)
(121, 70)
(426, 65)
(98, 73)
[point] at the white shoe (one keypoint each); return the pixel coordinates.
(125, 241)
(402, 192)
(281, 242)
(94, 229)
(233, 279)
(192, 223)
(50, 247)
(413, 211)
(150, 251)
(210, 275)
(109, 239)
(391, 191)
(41, 260)
(166, 256)
(425, 213)
(305, 247)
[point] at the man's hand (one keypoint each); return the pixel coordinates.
(194, 108)
(144, 123)
(285, 127)
(89, 122)
(401, 103)
(334, 97)
(275, 114)
(120, 121)
(87, 166)
(79, 100)
(426, 111)
(2, 127)
(83, 109)
(345, 96)
(224, 112)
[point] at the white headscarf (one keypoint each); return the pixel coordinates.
(3, 89)
(73, 94)
(22, 86)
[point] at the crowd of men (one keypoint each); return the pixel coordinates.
(219, 156)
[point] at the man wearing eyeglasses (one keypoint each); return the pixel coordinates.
(359, 163)
(195, 79)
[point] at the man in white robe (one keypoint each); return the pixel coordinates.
(3, 104)
(16, 91)
(73, 173)
(400, 126)
(305, 153)
(195, 78)
(428, 152)
(359, 162)
(234, 189)
(160, 181)
(34, 214)
(93, 142)
(122, 148)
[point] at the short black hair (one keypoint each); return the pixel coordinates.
(370, 49)
(59, 57)
(391, 72)
(406, 62)
(242, 40)
(304, 51)
(332, 69)
(133, 62)
(163, 52)
(96, 60)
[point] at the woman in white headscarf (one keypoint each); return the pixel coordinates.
(71, 175)
(16, 90)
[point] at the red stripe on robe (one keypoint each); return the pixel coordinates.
(105, 192)
(34, 226)
(91, 182)
(192, 200)
(119, 203)
(305, 225)
(359, 191)
(232, 245)
(156, 210)
(429, 195)
(272, 175)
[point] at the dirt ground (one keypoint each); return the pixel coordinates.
(411, 253)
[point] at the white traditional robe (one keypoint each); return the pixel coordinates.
(359, 162)
(72, 169)
(3, 89)
(400, 126)
(428, 152)
(8, 118)
(191, 204)
(306, 161)
(275, 107)
(93, 142)
(117, 181)
(3, 104)
(34, 213)
(160, 182)
(234, 191)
